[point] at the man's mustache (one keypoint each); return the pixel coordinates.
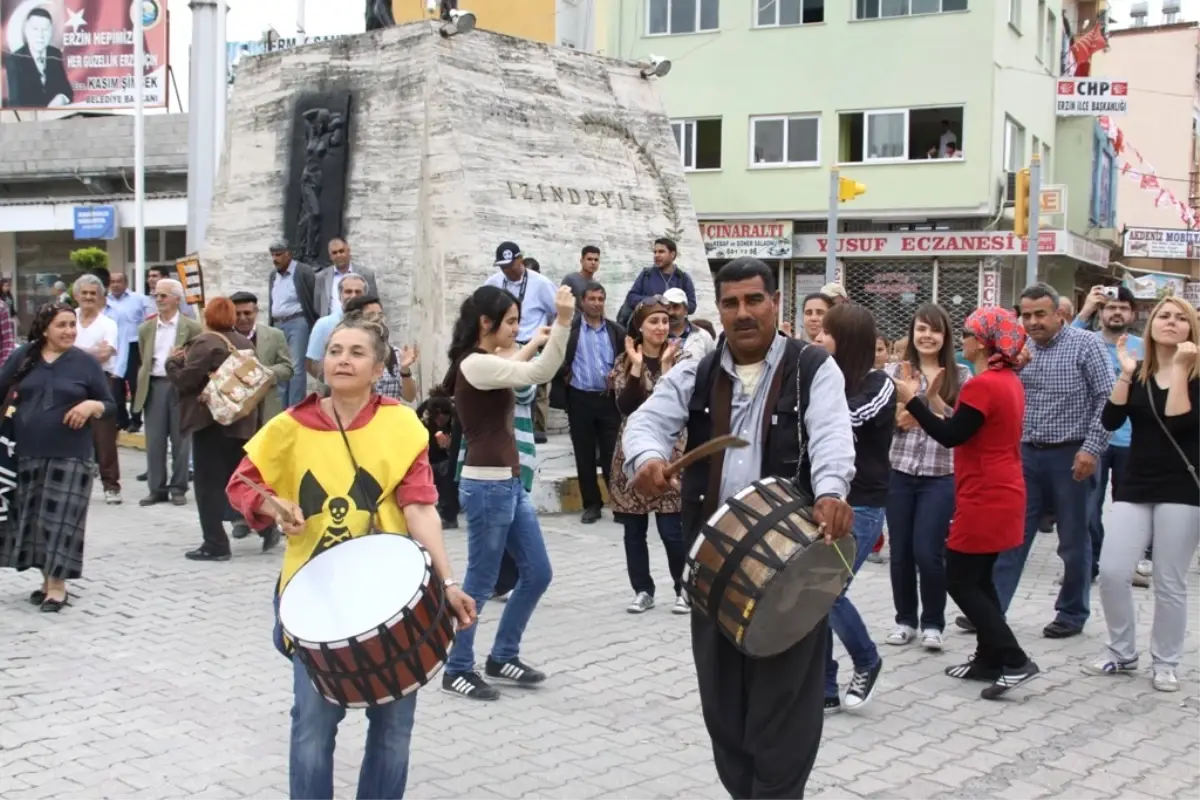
(745, 325)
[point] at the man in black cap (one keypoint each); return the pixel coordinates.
(292, 309)
(535, 294)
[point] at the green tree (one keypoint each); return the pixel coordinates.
(87, 259)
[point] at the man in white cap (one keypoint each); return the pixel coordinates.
(693, 340)
(835, 292)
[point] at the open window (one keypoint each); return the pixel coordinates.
(699, 143)
(900, 134)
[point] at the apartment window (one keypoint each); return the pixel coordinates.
(1014, 13)
(1051, 41)
(775, 13)
(1047, 167)
(1041, 28)
(1014, 145)
(900, 134)
(699, 143)
(884, 9)
(785, 141)
(665, 17)
(162, 245)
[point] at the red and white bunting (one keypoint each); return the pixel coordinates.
(1144, 174)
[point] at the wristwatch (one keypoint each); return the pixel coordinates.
(406, 373)
(446, 584)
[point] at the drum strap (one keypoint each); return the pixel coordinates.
(372, 502)
(757, 527)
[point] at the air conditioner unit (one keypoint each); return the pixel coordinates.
(1170, 10)
(1138, 13)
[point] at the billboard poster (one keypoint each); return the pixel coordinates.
(1162, 243)
(78, 54)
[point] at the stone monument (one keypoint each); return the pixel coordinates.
(446, 146)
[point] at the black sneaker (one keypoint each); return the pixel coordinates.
(972, 672)
(513, 670)
(964, 623)
(862, 686)
(832, 705)
(469, 685)
(1010, 678)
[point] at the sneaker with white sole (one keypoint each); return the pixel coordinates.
(1145, 567)
(681, 606)
(901, 635)
(515, 671)
(1009, 679)
(469, 685)
(1107, 665)
(641, 603)
(931, 639)
(862, 686)
(112, 497)
(1165, 680)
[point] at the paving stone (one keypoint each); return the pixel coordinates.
(160, 681)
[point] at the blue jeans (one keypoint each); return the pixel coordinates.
(918, 518)
(384, 770)
(1112, 460)
(844, 619)
(296, 332)
(1048, 480)
(500, 517)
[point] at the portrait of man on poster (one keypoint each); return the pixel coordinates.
(34, 71)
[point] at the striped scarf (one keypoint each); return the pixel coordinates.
(523, 430)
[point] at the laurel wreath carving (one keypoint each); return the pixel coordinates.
(612, 126)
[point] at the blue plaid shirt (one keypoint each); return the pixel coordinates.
(1066, 385)
(593, 358)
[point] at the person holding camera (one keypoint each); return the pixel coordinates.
(1112, 308)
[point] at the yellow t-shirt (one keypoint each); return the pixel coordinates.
(313, 469)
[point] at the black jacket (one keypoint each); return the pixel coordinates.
(305, 280)
(25, 89)
(558, 386)
(873, 418)
(784, 454)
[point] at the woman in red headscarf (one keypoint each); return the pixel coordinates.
(989, 493)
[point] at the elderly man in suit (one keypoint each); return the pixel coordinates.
(291, 291)
(157, 399)
(36, 75)
(328, 279)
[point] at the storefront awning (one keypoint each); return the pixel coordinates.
(167, 210)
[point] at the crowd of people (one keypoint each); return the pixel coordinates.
(961, 443)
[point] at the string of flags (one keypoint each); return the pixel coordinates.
(1144, 174)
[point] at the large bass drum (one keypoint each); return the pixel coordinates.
(761, 571)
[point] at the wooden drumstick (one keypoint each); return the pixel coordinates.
(711, 447)
(282, 513)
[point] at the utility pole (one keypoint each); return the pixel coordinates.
(204, 96)
(1035, 212)
(139, 150)
(831, 232)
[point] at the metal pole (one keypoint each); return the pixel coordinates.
(204, 97)
(300, 32)
(832, 231)
(139, 151)
(222, 83)
(1035, 213)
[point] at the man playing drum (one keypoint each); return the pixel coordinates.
(327, 487)
(787, 400)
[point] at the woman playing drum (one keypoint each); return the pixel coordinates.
(989, 492)
(321, 500)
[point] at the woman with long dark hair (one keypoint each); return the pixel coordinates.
(989, 489)
(848, 333)
(921, 494)
(56, 390)
(500, 515)
(648, 356)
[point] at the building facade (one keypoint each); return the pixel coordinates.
(50, 170)
(880, 91)
(569, 23)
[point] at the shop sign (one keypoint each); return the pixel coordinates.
(767, 240)
(1092, 97)
(1154, 286)
(922, 244)
(989, 294)
(1161, 243)
(95, 222)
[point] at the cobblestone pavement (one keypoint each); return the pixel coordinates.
(160, 681)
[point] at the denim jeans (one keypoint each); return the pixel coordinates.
(1113, 460)
(384, 770)
(296, 331)
(637, 552)
(844, 619)
(918, 518)
(1049, 479)
(500, 517)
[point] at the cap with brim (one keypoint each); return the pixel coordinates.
(675, 295)
(506, 253)
(279, 246)
(834, 290)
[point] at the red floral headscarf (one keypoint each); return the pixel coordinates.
(999, 330)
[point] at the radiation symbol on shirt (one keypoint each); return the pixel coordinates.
(363, 494)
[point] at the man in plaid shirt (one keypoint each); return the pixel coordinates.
(8, 336)
(1067, 382)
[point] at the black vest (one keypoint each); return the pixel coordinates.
(784, 450)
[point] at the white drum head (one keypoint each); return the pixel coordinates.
(352, 588)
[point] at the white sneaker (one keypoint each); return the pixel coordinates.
(1145, 568)
(113, 498)
(931, 639)
(641, 603)
(1165, 680)
(681, 606)
(901, 635)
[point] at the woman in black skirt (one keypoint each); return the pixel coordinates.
(52, 391)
